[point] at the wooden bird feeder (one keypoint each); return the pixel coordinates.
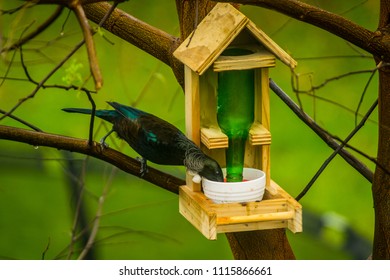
(202, 55)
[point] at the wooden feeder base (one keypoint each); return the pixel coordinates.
(277, 210)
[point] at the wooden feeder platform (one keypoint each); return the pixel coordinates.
(202, 55)
(277, 210)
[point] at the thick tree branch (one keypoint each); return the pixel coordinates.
(142, 35)
(81, 146)
(190, 14)
(377, 43)
(381, 185)
(67, 3)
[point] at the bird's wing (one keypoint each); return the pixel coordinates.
(127, 111)
(161, 138)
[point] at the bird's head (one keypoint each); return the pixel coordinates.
(211, 170)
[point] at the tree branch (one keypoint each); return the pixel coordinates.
(353, 161)
(67, 3)
(91, 51)
(190, 14)
(376, 43)
(36, 32)
(123, 162)
(337, 151)
(150, 39)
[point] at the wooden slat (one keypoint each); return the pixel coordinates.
(276, 210)
(259, 59)
(213, 34)
(250, 208)
(259, 135)
(192, 114)
(265, 100)
(192, 105)
(196, 209)
(251, 226)
(214, 138)
(295, 225)
(271, 45)
(278, 216)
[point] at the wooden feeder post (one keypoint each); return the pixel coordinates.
(201, 53)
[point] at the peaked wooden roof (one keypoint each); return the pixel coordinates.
(215, 33)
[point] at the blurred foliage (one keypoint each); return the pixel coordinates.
(139, 220)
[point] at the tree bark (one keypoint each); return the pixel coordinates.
(190, 13)
(123, 162)
(148, 38)
(376, 43)
(381, 185)
(260, 245)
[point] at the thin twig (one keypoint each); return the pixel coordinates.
(327, 57)
(147, 85)
(354, 162)
(365, 90)
(78, 187)
(43, 81)
(353, 7)
(92, 119)
(336, 151)
(335, 103)
(21, 121)
(91, 51)
(195, 22)
(12, 59)
(332, 79)
(25, 5)
(93, 105)
(41, 84)
(370, 158)
(36, 32)
(46, 249)
(98, 215)
(30, 79)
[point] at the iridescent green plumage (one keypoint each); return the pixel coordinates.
(156, 140)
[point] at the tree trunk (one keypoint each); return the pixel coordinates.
(381, 185)
(261, 244)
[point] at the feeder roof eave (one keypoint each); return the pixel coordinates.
(215, 33)
(270, 45)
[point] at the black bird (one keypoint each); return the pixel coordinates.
(156, 140)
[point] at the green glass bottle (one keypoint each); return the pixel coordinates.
(235, 113)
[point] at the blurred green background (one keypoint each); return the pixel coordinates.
(139, 220)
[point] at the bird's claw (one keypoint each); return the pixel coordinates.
(103, 144)
(102, 141)
(144, 166)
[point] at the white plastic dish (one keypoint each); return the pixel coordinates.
(252, 189)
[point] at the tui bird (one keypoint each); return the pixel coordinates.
(155, 140)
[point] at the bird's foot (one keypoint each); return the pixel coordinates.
(144, 166)
(103, 143)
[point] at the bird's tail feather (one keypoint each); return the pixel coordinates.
(77, 110)
(108, 115)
